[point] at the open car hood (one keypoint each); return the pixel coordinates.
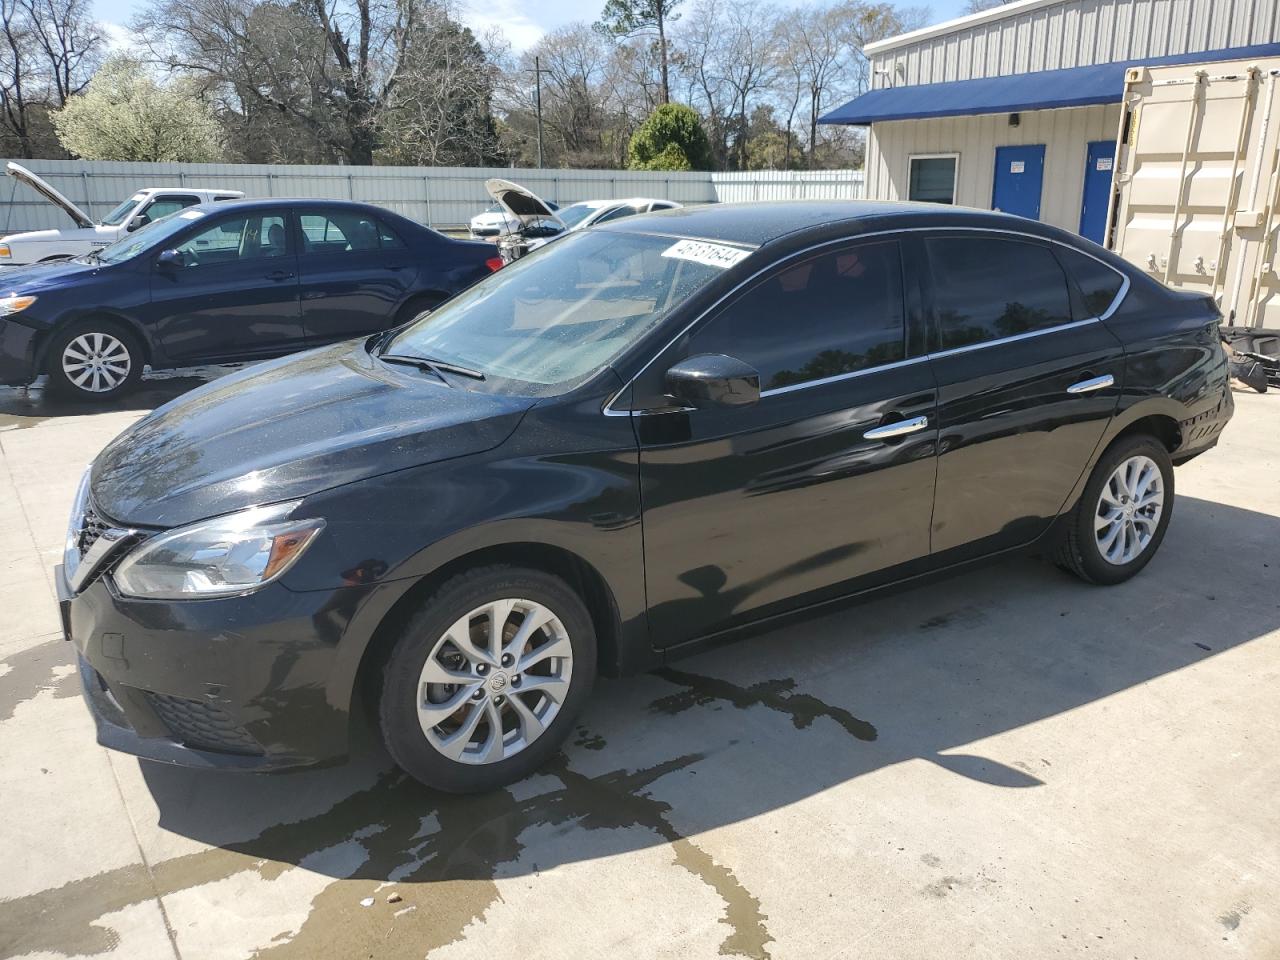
(23, 175)
(521, 203)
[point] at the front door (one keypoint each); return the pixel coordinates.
(1099, 159)
(1018, 180)
(355, 273)
(1028, 378)
(235, 294)
(754, 510)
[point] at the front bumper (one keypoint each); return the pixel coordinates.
(17, 353)
(241, 683)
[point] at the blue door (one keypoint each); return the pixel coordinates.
(1097, 189)
(1019, 176)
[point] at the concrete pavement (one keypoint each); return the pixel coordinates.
(1005, 764)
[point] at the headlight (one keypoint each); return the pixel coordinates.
(10, 305)
(71, 550)
(223, 557)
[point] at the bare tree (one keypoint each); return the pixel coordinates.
(48, 51)
(632, 18)
(328, 66)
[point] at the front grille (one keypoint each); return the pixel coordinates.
(92, 527)
(202, 726)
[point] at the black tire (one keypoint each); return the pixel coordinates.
(61, 383)
(399, 690)
(1078, 549)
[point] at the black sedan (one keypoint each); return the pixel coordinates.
(225, 282)
(642, 439)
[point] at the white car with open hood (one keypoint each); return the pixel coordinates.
(148, 204)
(536, 222)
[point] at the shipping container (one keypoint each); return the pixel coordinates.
(1196, 187)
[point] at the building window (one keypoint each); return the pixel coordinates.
(933, 178)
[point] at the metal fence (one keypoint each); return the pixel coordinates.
(438, 196)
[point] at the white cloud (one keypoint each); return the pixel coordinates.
(119, 39)
(518, 27)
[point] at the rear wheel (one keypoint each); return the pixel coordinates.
(482, 686)
(94, 360)
(1123, 514)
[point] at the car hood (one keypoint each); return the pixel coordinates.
(46, 190)
(34, 277)
(521, 204)
(292, 427)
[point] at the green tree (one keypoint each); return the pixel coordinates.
(125, 114)
(671, 138)
(629, 18)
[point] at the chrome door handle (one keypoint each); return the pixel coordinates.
(899, 428)
(1093, 383)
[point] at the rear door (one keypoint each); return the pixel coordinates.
(1019, 178)
(754, 510)
(236, 295)
(1028, 378)
(355, 272)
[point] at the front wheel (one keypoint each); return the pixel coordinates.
(483, 684)
(94, 360)
(1123, 514)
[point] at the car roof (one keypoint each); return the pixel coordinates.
(253, 203)
(758, 223)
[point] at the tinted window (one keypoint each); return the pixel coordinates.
(624, 211)
(252, 237)
(1098, 283)
(336, 231)
(985, 289)
(163, 206)
(388, 238)
(932, 179)
(833, 314)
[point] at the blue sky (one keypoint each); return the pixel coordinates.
(522, 21)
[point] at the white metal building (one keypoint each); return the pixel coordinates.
(1017, 108)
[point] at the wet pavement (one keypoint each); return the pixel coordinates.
(1005, 764)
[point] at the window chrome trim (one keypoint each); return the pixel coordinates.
(1123, 292)
(792, 387)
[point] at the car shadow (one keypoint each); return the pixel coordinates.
(735, 733)
(25, 407)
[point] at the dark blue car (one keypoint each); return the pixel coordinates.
(225, 282)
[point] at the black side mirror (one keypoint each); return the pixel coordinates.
(141, 220)
(713, 380)
(171, 260)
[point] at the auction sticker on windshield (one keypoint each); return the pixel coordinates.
(191, 215)
(710, 254)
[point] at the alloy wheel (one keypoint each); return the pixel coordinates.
(1128, 511)
(494, 681)
(96, 362)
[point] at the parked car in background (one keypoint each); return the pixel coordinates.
(639, 441)
(226, 282)
(496, 220)
(538, 222)
(579, 216)
(145, 206)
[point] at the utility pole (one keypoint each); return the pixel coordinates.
(537, 99)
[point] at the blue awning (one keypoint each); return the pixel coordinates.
(1044, 90)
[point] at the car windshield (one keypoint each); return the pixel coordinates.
(574, 214)
(118, 215)
(556, 317)
(148, 237)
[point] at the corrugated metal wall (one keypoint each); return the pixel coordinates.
(1065, 134)
(440, 196)
(1078, 33)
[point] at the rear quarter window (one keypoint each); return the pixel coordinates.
(1099, 284)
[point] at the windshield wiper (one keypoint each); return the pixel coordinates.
(435, 366)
